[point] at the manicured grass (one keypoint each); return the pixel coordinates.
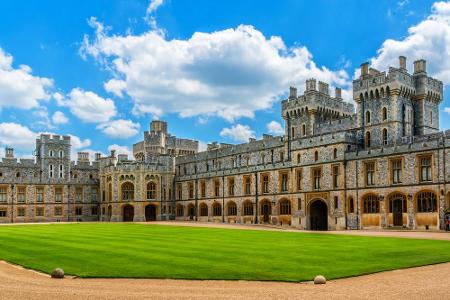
(155, 251)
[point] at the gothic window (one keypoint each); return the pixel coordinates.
(316, 156)
(284, 182)
(79, 194)
(298, 174)
(203, 210)
(425, 168)
(232, 209)
(351, 205)
(336, 202)
(248, 208)
(396, 171)
(265, 184)
(58, 194)
(384, 114)
(127, 191)
(401, 198)
(367, 117)
(151, 190)
(285, 207)
(370, 173)
(335, 173)
(317, 176)
(21, 194)
(335, 153)
(39, 195)
(385, 136)
(368, 141)
(299, 158)
(426, 202)
(371, 204)
(216, 188)
(203, 189)
(247, 189)
(231, 186)
(191, 190)
(217, 209)
(303, 129)
(180, 210)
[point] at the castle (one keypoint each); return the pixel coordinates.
(383, 165)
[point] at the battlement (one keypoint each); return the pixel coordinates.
(55, 138)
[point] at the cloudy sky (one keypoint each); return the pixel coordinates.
(101, 70)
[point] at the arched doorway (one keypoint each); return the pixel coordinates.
(150, 212)
(266, 211)
(318, 215)
(128, 213)
(191, 211)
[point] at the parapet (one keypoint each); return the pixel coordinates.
(55, 138)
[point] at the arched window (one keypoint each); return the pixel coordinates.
(367, 117)
(335, 153)
(316, 156)
(180, 210)
(368, 142)
(151, 190)
(303, 129)
(285, 207)
(351, 205)
(385, 136)
(388, 92)
(203, 210)
(371, 204)
(217, 209)
(426, 202)
(248, 208)
(232, 209)
(384, 114)
(127, 191)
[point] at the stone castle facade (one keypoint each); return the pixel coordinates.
(382, 165)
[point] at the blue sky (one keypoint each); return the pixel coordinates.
(215, 70)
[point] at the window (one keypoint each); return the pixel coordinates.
(203, 189)
(385, 136)
(127, 191)
(21, 211)
(263, 158)
(299, 158)
(180, 210)
(94, 194)
(317, 175)
(61, 154)
(50, 171)
(303, 129)
(2, 213)
(50, 153)
(21, 194)
(335, 172)
(370, 173)
(231, 186)
(232, 209)
(191, 190)
(316, 156)
(284, 182)
(397, 197)
(39, 194)
(39, 211)
(335, 153)
(265, 184)
(151, 190)
(58, 194)
(79, 194)
(248, 208)
(368, 141)
(371, 204)
(425, 168)
(179, 192)
(426, 202)
(247, 187)
(61, 171)
(203, 210)
(281, 156)
(396, 166)
(367, 117)
(3, 194)
(293, 132)
(384, 114)
(351, 205)
(58, 211)
(285, 207)
(94, 211)
(217, 188)
(78, 211)
(336, 202)
(298, 177)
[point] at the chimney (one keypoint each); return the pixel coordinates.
(402, 62)
(83, 156)
(338, 93)
(9, 152)
(323, 87)
(292, 92)
(420, 66)
(98, 156)
(113, 153)
(365, 69)
(311, 84)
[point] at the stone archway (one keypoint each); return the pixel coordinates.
(128, 213)
(318, 215)
(150, 212)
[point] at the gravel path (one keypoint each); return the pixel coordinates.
(429, 282)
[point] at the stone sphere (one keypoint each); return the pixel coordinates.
(58, 273)
(319, 279)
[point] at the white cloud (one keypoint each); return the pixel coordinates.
(88, 106)
(59, 118)
(447, 110)
(229, 73)
(429, 39)
(238, 133)
(18, 87)
(122, 129)
(202, 146)
(78, 143)
(153, 6)
(121, 150)
(17, 136)
(275, 128)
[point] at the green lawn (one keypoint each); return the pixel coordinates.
(155, 251)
